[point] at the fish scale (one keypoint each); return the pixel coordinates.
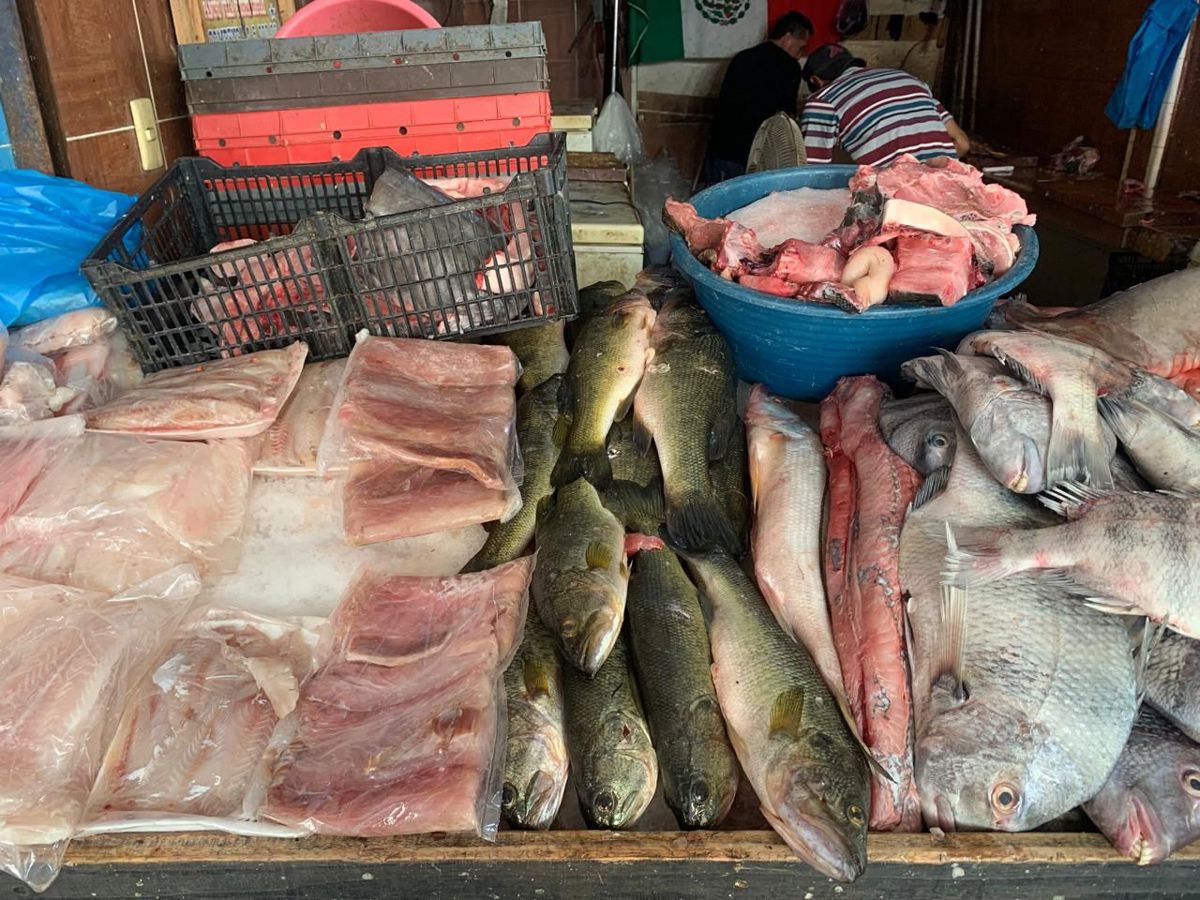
(1173, 681)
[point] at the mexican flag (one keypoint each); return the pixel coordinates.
(661, 30)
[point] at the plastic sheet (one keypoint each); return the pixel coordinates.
(616, 131)
(25, 450)
(48, 226)
(191, 750)
(114, 510)
(29, 388)
(68, 659)
(290, 445)
(400, 731)
(72, 329)
(236, 397)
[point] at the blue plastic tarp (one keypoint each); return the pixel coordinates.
(48, 226)
(1151, 60)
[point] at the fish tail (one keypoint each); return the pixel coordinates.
(978, 556)
(1077, 451)
(698, 522)
(591, 463)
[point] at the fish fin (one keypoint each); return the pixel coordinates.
(592, 464)
(643, 438)
(566, 398)
(1112, 605)
(1020, 370)
(787, 713)
(1071, 499)
(536, 678)
(624, 406)
(698, 522)
(952, 639)
(935, 483)
(545, 506)
(1150, 633)
(638, 508)
(562, 428)
(598, 555)
(1074, 455)
(720, 436)
(981, 562)
(623, 567)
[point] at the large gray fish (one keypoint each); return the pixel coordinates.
(581, 577)
(792, 740)
(607, 364)
(920, 430)
(593, 300)
(535, 756)
(1150, 805)
(1022, 698)
(539, 435)
(1164, 450)
(687, 402)
(628, 459)
(699, 770)
(1126, 553)
(612, 759)
(1172, 681)
(541, 350)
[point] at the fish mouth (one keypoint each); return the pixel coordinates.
(596, 641)
(939, 813)
(818, 841)
(1137, 835)
(543, 800)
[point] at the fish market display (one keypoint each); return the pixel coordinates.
(236, 397)
(1023, 698)
(114, 510)
(687, 403)
(870, 489)
(1172, 681)
(542, 351)
(192, 746)
(1165, 451)
(608, 360)
(426, 430)
(581, 579)
(539, 435)
(535, 758)
(612, 760)
(1150, 805)
(290, 445)
(790, 736)
(920, 430)
(68, 657)
(397, 731)
(698, 767)
(787, 473)
(1128, 553)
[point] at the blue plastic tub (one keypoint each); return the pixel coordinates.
(800, 349)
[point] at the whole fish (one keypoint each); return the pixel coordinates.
(581, 577)
(920, 430)
(787, 476)
(1172, 681)
(729, 480)
(1159, 394)
(1127, 553)
(606, 366)
(1152, 325)
(791, 738)
(542, 351)
(593, 300)
(1150, 805)
(1070, 374)
(699, 770)
(535, 750)
(629, 461)
(687, 402)
(612, 760)
(867, 505)
(1165, 451)
(1022, 699)
(539, 435)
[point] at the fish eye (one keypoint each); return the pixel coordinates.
(1005, 798)
(508, 796)
(1191, 782)
(699, 792)
(568, 628)
(854, 813)
(938, 440)
(606, 802)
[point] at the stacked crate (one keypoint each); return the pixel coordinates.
(324, 98)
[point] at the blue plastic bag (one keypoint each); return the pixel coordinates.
(48, 226)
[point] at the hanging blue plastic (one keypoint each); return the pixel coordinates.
(47, 226)
(1152, 54)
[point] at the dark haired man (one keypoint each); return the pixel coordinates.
(759, 82)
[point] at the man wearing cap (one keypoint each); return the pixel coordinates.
(875, 114)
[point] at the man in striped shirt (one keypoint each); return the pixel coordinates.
(875, 114)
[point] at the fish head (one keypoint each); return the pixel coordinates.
(622, 775)
(589, 623)
(701, 782)
(937, 448)
(533, 802)
(1012, 433)
(820, 809)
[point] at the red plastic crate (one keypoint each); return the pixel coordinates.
(423, 127)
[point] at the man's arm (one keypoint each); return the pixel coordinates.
(819, 124)
(962, 143)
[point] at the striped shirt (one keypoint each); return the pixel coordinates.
(877, 114)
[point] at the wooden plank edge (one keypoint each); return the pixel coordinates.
(593, 846)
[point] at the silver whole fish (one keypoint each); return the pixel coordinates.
(920, 430)
(1164, 450)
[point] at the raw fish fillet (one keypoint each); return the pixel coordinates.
(870, 490)
(932, 267)
(805, 213)
(29, 389)
(194, 738)
(114, 510)
(73, 329)
(397, 733)
(68, 660)
(290, 445)
(236, 397)
(25, 450)
(99, 371)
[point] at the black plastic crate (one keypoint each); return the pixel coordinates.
(322, 269)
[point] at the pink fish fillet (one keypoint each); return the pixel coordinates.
(26, 450)
(289, 446)
(868, 622)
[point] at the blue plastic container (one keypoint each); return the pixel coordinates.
(800, 349)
